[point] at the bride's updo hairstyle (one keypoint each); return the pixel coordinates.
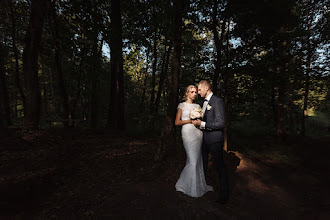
(186, 91)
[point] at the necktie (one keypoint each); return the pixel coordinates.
(204, 105)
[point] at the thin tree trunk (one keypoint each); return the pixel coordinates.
(218, 45)
(15, 51)
(75, 98)
(30, 63)
(116, 118)
(4, 100)
(305, 115)
(94, 104)
(226, 93)
(16, 104)
(162, 78)
(282, 85)
(168, 130)
(153, 76)
(72, 114)
(308, 70)
(45, 101)
(59, 73)
(93, 108)
(273, 101)
(145, 82)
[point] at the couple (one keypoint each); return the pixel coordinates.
(201, 137)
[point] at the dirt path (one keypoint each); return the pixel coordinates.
(58, 175)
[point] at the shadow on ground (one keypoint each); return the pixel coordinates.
(60, 174)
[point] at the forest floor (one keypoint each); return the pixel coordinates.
(100, 175)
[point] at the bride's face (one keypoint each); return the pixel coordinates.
(192, 94)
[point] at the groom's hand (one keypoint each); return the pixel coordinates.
(197, 122)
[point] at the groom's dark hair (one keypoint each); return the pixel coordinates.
(205, 83)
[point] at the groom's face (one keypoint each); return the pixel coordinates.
(202, 90)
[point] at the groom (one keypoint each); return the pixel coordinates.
(212, 125)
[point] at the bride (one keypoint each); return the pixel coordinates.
(192, 180)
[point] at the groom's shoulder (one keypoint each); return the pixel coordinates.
(217, 98)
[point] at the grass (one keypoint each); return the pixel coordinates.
(251, 127)
(318, 124)
(257, 138)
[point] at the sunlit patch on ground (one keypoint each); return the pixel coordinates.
(75, 175)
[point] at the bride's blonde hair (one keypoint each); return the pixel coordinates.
(185, 96)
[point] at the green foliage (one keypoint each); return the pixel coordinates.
(318, 124)
(250, 57)
(249, 127)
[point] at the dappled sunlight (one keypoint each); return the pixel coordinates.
(115, 174)
(251, 172)
(258, 180)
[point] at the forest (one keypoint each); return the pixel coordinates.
(91, 88)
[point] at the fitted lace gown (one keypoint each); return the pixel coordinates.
(192, 180)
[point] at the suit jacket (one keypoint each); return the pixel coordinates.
(214, 117)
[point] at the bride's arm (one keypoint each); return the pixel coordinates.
(178, 121)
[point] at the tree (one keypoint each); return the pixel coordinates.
(116, 117)
(4, 101)
(53, 22)
(12, 16)
(218, 42)
(33, 39)
(154, 69)
(312, 30)
(163, 74)
(168, 130)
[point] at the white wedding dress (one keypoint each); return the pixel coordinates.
(192, 180)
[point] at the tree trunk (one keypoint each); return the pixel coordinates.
(30, 63)
(283, 45)
(305, 115)
(168, 130)
(218, 45)
(226, 93)
(116, 118)
(308, 70)
(273, 99)
(59, 73)
(162, 78)
(153, 77)
(94, 104)
(76, 98)
(4, 100)
(15, 51)
(281, 108)
(145, 83)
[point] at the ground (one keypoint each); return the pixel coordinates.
(102, 175)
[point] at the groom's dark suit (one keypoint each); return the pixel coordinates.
(213, 139)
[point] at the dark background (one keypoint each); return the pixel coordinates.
(90, 89)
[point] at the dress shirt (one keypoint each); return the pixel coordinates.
(206, 102)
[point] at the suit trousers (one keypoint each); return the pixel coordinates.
(216, 150)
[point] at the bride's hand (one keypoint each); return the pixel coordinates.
(197, 122)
